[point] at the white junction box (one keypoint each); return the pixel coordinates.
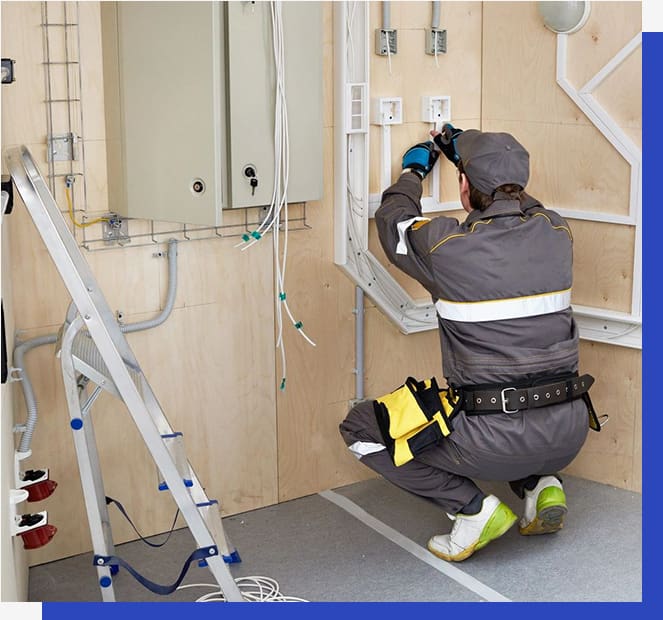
(387, 111)
(436, 109)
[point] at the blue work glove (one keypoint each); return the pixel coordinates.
(446, 142)
(421, 158)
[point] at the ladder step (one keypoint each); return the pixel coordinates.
(212, 516)
(175, 444)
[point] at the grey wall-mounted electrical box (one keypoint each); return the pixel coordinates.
(190, 94)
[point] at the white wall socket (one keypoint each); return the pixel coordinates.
(387, 111)
(436, 109)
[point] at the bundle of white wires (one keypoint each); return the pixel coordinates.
(254, 588)
(279, 202)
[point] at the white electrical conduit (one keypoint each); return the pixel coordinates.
(359, 343)
(435, 21)
(435, 26)
(20, 350)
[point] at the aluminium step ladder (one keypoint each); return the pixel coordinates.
(92, 346)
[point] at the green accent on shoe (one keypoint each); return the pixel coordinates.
(550, 496)
(500, 521)
(550, 512)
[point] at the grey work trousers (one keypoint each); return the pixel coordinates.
(443, 472)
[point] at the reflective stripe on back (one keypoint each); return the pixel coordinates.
(498, 309)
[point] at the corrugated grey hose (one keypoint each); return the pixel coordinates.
(21, 349)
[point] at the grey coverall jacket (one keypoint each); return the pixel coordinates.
(510, 251)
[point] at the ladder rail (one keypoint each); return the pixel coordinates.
(88, 465)
(110, 341)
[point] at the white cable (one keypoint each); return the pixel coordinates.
(253, 588)
(389, 52)
(279, 203)
(437, 64)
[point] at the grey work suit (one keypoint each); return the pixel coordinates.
(509, 251)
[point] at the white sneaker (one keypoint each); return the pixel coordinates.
(545, 508)
(472, 532)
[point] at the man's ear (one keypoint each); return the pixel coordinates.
(464, 183)
(464, 191)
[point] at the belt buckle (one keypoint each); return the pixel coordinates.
(504, 409)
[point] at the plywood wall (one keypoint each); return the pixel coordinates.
(213, 365)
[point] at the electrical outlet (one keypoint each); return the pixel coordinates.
(387, 111)
(436, 109)
(436, 41)
(386, 42)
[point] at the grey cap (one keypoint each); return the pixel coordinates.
(492, 159)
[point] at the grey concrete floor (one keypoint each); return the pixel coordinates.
(318, 551)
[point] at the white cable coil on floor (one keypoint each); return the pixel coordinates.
(255, 589)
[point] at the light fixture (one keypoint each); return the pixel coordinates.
(564, 16)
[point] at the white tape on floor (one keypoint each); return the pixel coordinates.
(451, 571)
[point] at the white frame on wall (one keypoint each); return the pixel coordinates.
(354, 206)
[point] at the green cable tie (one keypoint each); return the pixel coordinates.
(282, 296)
(245, 237)
(282, 387)
(299, 324)
(256, 235)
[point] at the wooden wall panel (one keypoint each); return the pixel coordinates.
(320, 379)
(602, 265)
(621, 96)
(393, 356)
(610, 26)
(613, 456)
(571, 166)
(23, 115)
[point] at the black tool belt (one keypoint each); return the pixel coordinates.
(480, 399)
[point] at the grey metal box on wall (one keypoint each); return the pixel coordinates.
(189, 96)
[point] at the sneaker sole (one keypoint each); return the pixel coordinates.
(551, 510)
(499, 524)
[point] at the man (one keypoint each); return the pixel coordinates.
(501, 283)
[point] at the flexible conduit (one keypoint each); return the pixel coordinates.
(20, 350)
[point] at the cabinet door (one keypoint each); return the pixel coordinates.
(163, 73)
(251, 78)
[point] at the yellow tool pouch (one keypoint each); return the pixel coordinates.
(414, 417)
